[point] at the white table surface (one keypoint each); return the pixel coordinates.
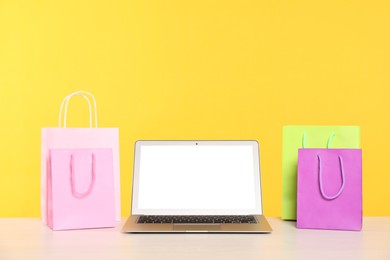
(28, 238)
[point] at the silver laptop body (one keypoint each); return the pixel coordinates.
(213, 185)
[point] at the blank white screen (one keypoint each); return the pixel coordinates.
(196, 177)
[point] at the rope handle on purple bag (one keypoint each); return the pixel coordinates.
(73, 182)
(327, 197)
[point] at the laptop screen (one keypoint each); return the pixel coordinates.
(196, 177)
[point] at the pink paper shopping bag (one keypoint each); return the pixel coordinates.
(329, 189)
(80, 189)
(91, 137)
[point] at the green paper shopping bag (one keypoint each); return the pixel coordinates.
(295, 137)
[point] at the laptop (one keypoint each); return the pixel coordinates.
(196, 186)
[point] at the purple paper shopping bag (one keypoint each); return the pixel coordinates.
(80, 189)
(329, 189)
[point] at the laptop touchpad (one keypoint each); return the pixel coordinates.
(196, 227)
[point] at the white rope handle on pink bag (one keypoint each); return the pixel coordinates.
(327, 197)
(73, 182)
(65, 102)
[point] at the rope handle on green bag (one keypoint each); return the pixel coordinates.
(330, 139)
(327, 197)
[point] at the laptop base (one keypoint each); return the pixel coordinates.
(262, 226)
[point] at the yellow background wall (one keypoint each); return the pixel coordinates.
(205, 69)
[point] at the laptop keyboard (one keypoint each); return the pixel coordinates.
(196, 219)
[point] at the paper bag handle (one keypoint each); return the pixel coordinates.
(73, 182)
(65, 102)
(321, 184)
(330, 139)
